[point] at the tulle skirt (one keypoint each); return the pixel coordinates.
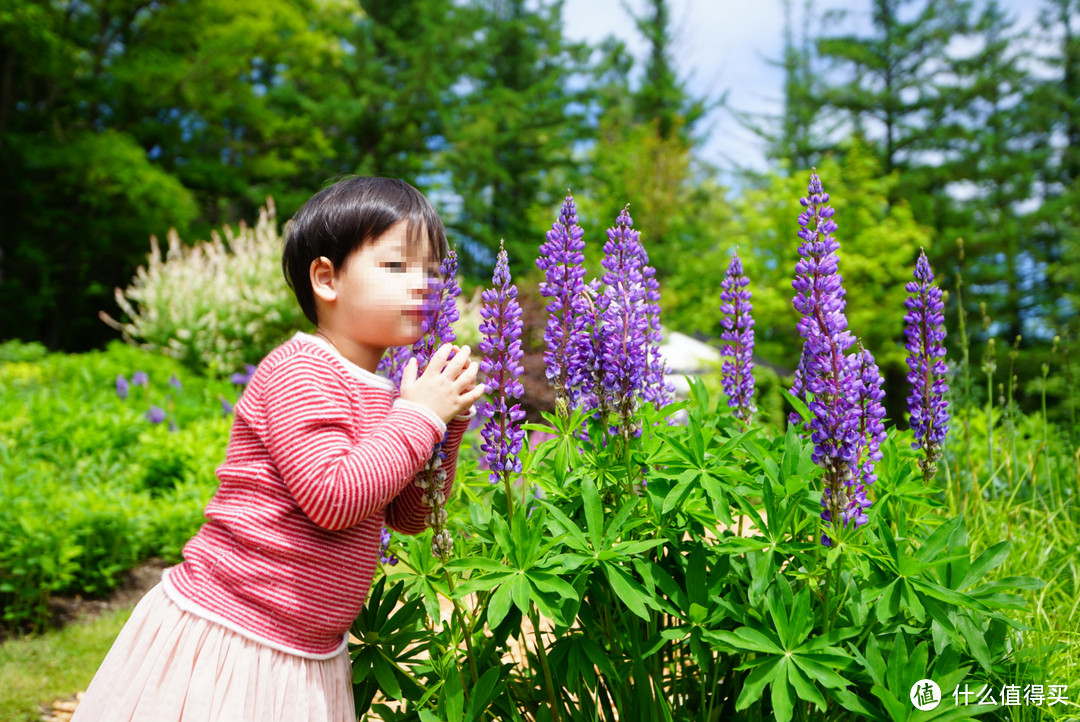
(168, 665)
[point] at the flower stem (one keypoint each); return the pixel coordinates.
(542, 654)
(467, 629)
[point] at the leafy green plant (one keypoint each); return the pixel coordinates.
(628, 591)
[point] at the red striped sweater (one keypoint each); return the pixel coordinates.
(320, 456)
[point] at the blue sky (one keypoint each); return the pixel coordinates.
(724, 46)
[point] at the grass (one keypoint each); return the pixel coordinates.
(55, 665)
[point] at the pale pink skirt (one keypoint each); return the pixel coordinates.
(168, 665)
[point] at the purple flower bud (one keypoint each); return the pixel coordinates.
(226, 407)
(139, 378)
(122, 387)
(925, 333)
(175, 382)
(738, 369)
(155, 415)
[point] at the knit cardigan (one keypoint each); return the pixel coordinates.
(320, 457)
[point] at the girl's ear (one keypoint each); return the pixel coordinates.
(322, 279)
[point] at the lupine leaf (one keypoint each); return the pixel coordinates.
(756, 681)
(803, 686)
(989, 559)
(593, 512)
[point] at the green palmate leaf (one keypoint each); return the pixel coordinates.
(499, 605)
(487, 687)
(937, 541)
(781, 693)
(593, 512)
(384, 673)
(453, 695)
(626, 589)
(803, 687)
(989, 559)
(746, 639)
(520, 591)
(686, 483)
(767, 673)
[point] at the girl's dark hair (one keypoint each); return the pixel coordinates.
(343, 217)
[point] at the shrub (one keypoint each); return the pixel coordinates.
(215, 305)
(91, 486)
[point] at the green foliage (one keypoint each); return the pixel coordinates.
(216, 305)
(629, 588)
(92, 488)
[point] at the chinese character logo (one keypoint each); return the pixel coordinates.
(925, 694)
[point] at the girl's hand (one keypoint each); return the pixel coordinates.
(448, 388)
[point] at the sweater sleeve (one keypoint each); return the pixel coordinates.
(308, 423)
(407, 513)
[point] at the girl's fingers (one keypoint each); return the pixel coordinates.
(438, 359)
(408, 374)
(456, 364)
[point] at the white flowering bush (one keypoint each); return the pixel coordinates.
(216, 305)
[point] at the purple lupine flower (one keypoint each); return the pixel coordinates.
(501, 345)
(226, 406)
(385, 557)
(243, 378)
(738, 369)
(155, 415)
(139, 378)
(562, 261)
(122, 387)
(587, 371)
(657, 390)
(441, 312)
(393, 362)
(624, 334)
(925, 332)
(175, 382)
(838, 386)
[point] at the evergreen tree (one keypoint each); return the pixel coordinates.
(985, 182)
(1055, 106)
(511, 142)
(890, 82)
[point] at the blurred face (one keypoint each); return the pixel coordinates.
(376, 298)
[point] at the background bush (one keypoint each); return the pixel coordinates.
(215, 305)
(91, 486)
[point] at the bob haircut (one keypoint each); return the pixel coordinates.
(343, 217)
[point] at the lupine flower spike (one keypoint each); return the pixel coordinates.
(843, 392)
(438, 329)
(624, 355)
(561, 259)
(737, 373)
(925, 332)
(501, 366)
(122, 387)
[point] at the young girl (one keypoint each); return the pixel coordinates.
(253, 624)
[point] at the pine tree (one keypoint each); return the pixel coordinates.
(889, 83)
(510, 144)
